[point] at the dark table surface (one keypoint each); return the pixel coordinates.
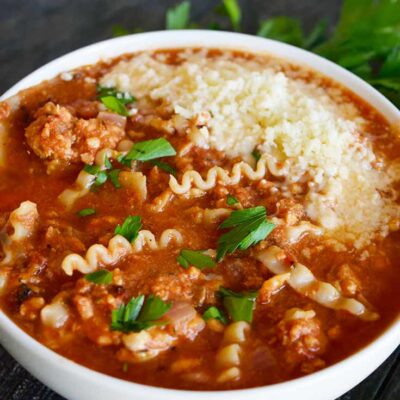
(35, 32)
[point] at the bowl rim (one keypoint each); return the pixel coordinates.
(206, 39)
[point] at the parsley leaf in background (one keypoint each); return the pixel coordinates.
(249, 226)
(231, 9)
(130, 228)
(197, 258)
(119, 30)
(289, 30)
(366, 42)
(139, 314)
(285, 29)
(239, 306)
(178, 17)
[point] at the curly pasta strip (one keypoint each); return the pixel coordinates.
(81, 187)
(303, 281)
(22, 222)
(85, 180)
(228, 356)
(147, 239)
(217, 174)
(118, 247)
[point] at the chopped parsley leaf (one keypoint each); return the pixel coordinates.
(113, 175)
(139, 314)
(197, 258)
(239, 306)
(85, 212)
(164, 166)
(101, 277)
(215, 313)
(114, 100)
(231, 200)
(256, 154)
(150, 150)
(249, 226)
(130, 228)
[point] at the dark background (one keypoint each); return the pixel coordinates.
(33, 32)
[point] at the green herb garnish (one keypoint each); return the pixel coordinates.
(114, 100)
(164, 166)
(215, 313)
(239, 306)
(113, 104)
(101, 175)
(113, 175)
(231, 200)
(101, 277)
(178, 17)
(249, 226)
(123, 97)
(130, 228)
(139, 314)
(256, 154)
(197, 258)
(150, 150)
(107, 162)
(85, 212)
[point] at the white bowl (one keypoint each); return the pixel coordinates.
(79, 383)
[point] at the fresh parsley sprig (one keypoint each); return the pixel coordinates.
(140, 313)
(240, 306)
(197, 258)
(248, 227)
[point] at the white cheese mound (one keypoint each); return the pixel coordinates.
(311, 133)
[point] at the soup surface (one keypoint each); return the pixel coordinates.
(198, 219)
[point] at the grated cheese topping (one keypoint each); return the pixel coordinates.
(312, 134)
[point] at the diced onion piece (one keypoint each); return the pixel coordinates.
(54, 315)
(113, 118)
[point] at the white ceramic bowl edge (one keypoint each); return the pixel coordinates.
(79, 383)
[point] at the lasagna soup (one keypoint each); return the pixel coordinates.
(198, 219)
